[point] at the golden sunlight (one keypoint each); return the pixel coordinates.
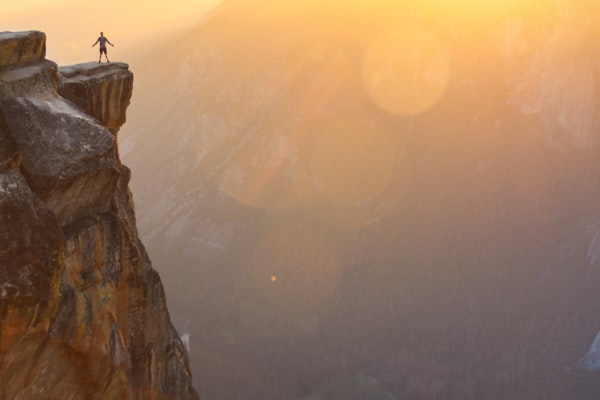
(406, 70)
(483, 8)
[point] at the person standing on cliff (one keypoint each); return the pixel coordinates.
(102, 40)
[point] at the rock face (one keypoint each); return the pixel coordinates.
(100, 90)
(21, 48)
(82, 312)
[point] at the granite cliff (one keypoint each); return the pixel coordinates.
(82, 312)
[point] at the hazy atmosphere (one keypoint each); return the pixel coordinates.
(358, 200)
(72, 26)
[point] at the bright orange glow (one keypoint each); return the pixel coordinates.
(406, 70)
(482, 8)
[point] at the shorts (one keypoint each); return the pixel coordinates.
(102, 50)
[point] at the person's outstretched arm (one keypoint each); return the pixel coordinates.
(108, 41)
(97, 40)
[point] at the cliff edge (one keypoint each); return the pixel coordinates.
(82, 312)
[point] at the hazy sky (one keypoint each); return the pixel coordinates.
(72, 26)
(16, 5)
(136, 26)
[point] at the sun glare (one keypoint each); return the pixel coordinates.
(478, 10)
(406, 70)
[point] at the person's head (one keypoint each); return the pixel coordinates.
(101, 33)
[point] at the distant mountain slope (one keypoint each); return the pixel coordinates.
(391, 191)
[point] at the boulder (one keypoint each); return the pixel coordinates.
(18, 48)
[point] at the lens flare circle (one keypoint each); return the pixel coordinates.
(406, 70)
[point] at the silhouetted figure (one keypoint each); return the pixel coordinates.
(103, 40)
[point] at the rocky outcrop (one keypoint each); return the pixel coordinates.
(102, 91)
(21, 48)
(70, 163)
(82, 312)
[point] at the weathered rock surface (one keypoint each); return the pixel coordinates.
(82, 312)
(35, 80)
(21, 48)
(102, 91)
(70, 161)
